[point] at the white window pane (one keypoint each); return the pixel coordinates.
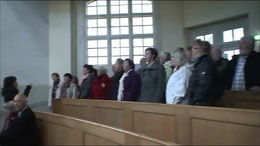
(92, 60)
(102, 10)
(134, 2)
(138, 51)
(115, 22)
(228, 54)
(200, 38)
(102, 60)
(137, 59)
(148, 42)
(147, 2)
(124, 51)
(102, 3)
(93, 3)
(115, 51)
(227, 36)
(102, 22)
(209, 38)
(92, 31)
(123, 9)
(124, 21)
(147, 9)
(102, 43)
(115, 43)
(124, 42)
(238, 34)
(148, 20)
(92, 44)
(137, 8)
(102, 31)
(137, 30)
(92, 23)
(123, 2)
(92, 11)
(102, 52)
(124, 57)
(114, 9)
(115, 30)
(114, 2)
(236, 52)
(137, 21)
(148, 29)
(138, 42)
(124, 30)
(92, 52)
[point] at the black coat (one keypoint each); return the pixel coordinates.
(251, 70)
(84, 90)
(114, 85)
(22, 131)
(202, 81)
(10, 93)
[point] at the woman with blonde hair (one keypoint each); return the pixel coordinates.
(178, 82)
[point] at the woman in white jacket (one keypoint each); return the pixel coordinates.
(178, 82)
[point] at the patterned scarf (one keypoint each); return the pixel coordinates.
(54, 88)
(64, 88)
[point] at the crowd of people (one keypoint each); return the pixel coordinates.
(196, 75)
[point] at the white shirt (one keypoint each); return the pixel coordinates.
(177, 85)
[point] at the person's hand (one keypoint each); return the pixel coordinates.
(255, 88)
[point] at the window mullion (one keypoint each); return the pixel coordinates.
(109, 44)
(130, 18)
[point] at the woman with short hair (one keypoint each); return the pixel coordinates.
(178, 82)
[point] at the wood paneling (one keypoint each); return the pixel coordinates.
(181, 124)
(56, 129)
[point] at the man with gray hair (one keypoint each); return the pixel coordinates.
(22, 131)
(165, 59)
(244, 69)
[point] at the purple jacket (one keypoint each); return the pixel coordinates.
(132, 86)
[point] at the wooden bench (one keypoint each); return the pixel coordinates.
(173, 123)
(240, 99)
(62, 130)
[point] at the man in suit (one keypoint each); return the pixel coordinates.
(22, 130)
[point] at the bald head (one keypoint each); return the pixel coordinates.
(246, 45)
(20, 101)
(216, 54)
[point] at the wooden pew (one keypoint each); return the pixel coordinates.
(240, 99)
(62, 130)
(174, 123)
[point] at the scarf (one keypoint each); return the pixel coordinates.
(82, 78)
(63, 91)
(121, 86)
(54, 88)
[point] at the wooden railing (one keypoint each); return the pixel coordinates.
(174, 123)
(56, 129)
(240, 99)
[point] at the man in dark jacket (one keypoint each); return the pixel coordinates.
(22, 130)
(201, 84)
(244, 69)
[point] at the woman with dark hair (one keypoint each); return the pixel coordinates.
(152, 78)
(68, 89)
(56, 84)
(130, 83)
(10, 89)
(86, 81)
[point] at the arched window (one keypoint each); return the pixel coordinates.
(118, 29)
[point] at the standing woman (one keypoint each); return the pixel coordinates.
(56, 84)
(86, 81)
(130, 83)
(152, 78)
(179, 80)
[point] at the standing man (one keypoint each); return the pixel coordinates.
(152, 78)
(244, 69)
(22, 131)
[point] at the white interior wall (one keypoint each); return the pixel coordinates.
(24, 43)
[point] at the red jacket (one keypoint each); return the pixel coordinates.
(100, 87)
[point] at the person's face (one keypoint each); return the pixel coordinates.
(162, 59)
(215, 54)
(188, 54)
(19, 103)
(118, 67)
(148, 56)
(175, 60)
(195, 51)
(85, 71)
(66, 79)
(126, 66)
(99, 72)
(244, 47)
(54, 78)
(15, 84)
